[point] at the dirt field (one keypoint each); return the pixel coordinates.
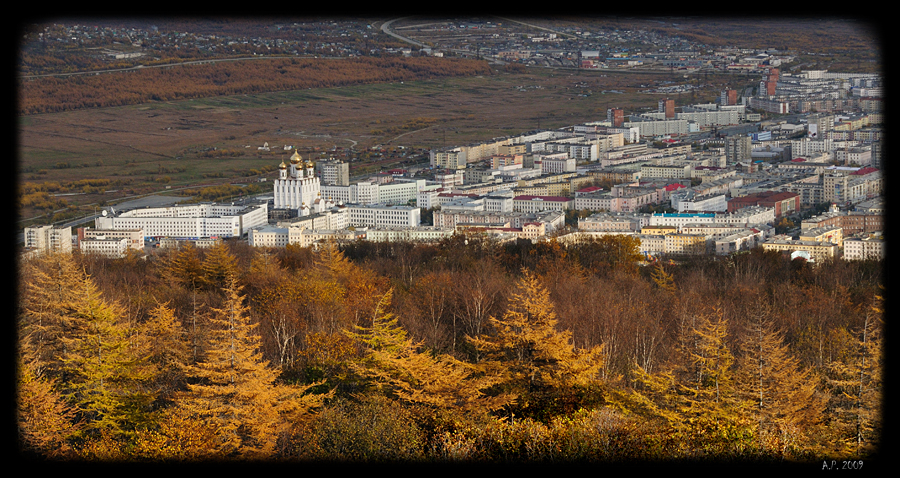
(144, 144)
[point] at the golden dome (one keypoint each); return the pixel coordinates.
(296, 158)
(282, 165)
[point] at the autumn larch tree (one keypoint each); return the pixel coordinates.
(413, 374)
(167, 349)
(234, 389)
(537, 363)
(50, 283)
(45, 421)
(783, 399)
(857, 386)
(92, 357)
(712, 413)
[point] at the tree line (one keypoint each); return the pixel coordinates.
(51, 95)
(464, 350)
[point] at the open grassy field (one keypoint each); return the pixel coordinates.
(145, 148)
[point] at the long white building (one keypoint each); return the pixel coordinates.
(375, 215)
(190, 221)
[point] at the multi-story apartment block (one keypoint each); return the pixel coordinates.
(406, 234)
(384, 216)
(454, 158)
(660, 171)
(652, 244)
(650, 127)
(728, 97)
(499, 202)
(400, 191)
(680, 243)
(555, 166)
(818, 251)
(334, 172)
(707, 203)
(659, 230)
(852, 223)
(868, 248)
(190, 221)
(737, 149)
(553, 219)
(613, 222)
(335, 218)
(448, 179)
(741, 240)
(533, 204)
(269, 236)
(616, 175)
(135, 237)
(499, 160)
(112, 247)
(44, 239)
(616, 117)
(770, 105)
(314, 237)
(830, 234)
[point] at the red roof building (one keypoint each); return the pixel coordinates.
(864, 171)
(783, 202)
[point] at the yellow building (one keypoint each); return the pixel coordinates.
(659, 230)
(818, 251)
(685, 243)
(833, 235)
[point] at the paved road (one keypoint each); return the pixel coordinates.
(386, 28)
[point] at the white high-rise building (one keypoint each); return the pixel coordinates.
(48, 239)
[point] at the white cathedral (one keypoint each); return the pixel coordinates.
(299, 188)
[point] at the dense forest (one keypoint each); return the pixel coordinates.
(465, 350)
(52, 95)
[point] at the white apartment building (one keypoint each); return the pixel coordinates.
(448, 179)
(112, 247)
(659, 127)
(194, 221)
(661, 171)
(560, 165)
(711, 118)
(369, 192)
(313, 237)
(135, 237)
(448, 159)
(710, 202)
(384, 216)
(398, 191)
(532, 204)
(652, 243)
(405, 234)
(43, 239)
(334, 172)
(268, 236)
(742, 240)
(335, 218)
(499, 202)
(869, 248)
(613, 222)
(553, 219)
